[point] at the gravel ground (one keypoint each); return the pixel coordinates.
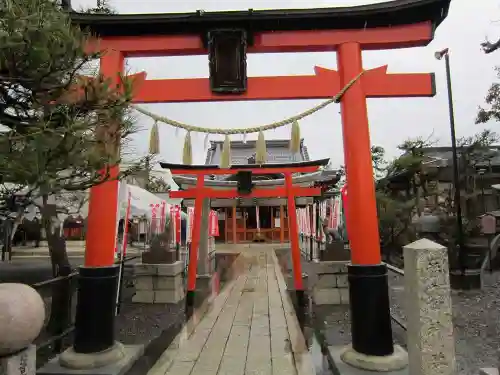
(476, 319)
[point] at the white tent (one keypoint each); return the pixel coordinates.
(140, 202)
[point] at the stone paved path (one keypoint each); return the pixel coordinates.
(249, 329)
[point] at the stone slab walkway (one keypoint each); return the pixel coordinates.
(249, 329)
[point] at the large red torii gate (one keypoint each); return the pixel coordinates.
(348, 31)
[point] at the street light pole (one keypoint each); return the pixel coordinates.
(456, 176)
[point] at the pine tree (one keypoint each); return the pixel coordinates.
(64, 130)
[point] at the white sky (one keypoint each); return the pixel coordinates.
(391, 120)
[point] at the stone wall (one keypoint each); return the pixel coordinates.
(159, 283)
(331, 287)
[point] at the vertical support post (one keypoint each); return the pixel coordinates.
(195, 241)
(294, 240)
(98, 281)
(282, 224)
(318, 229)
(204, 241)
(235, 235)
(101, 228)
(311, 225)
(371, 329)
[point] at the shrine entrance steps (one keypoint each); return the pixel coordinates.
(249, 328)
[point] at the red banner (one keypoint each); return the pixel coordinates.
(343, 192)
(178, 224)
(213, 226)
(154, 217)
(191, 223)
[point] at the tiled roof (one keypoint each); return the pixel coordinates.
(241, 152)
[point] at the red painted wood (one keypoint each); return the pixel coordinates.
(270, 42)
(324, 84)
(256, 193)
(263, 170)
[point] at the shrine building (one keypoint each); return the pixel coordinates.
(257, 219)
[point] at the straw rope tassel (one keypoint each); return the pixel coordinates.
(295, 138)
(225, 158)
(154, 140)
(187, 152)
(261, 151)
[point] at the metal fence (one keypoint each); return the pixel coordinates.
(59, 296)
(395, 318)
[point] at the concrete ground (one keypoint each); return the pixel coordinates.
(250, 328)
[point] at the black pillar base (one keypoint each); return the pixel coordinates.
(371, 328)
(95, 310)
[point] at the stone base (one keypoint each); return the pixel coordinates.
(489, 371)
(94, 364)
(331, 287)
(335, 252)
(22, 363)
(391, 363)
(345, 369)
(159, 283)
(164, 257)
(204, 283)
(333, 296)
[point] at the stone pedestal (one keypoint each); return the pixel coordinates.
(21, 363)
(159, 283)
(335, 252)
(331, 287)
(431, 346)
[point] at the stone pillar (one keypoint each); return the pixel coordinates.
(22, 363)
(431, 346)
(20, 324)
(331, 288)
(158, 283)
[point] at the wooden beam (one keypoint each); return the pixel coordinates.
(282, 223)
(403, 36)
(264, 170)
(257, 193)
(235, 237)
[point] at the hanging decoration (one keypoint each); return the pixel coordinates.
(187, 153)
(225, 158)
(154, 140)
(261, 154)
(295, 138)
(261, 149)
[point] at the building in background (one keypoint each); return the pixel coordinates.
(239, 219)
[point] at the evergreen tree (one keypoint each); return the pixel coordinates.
(63, 131)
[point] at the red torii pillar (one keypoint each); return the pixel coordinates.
(98, 279)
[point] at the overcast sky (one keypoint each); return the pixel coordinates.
(391, 120)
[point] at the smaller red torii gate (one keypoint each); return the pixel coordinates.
(288, 190)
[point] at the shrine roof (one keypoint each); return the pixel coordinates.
(305, 180)
(391, 13)
(277, 166)
(278, 151)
